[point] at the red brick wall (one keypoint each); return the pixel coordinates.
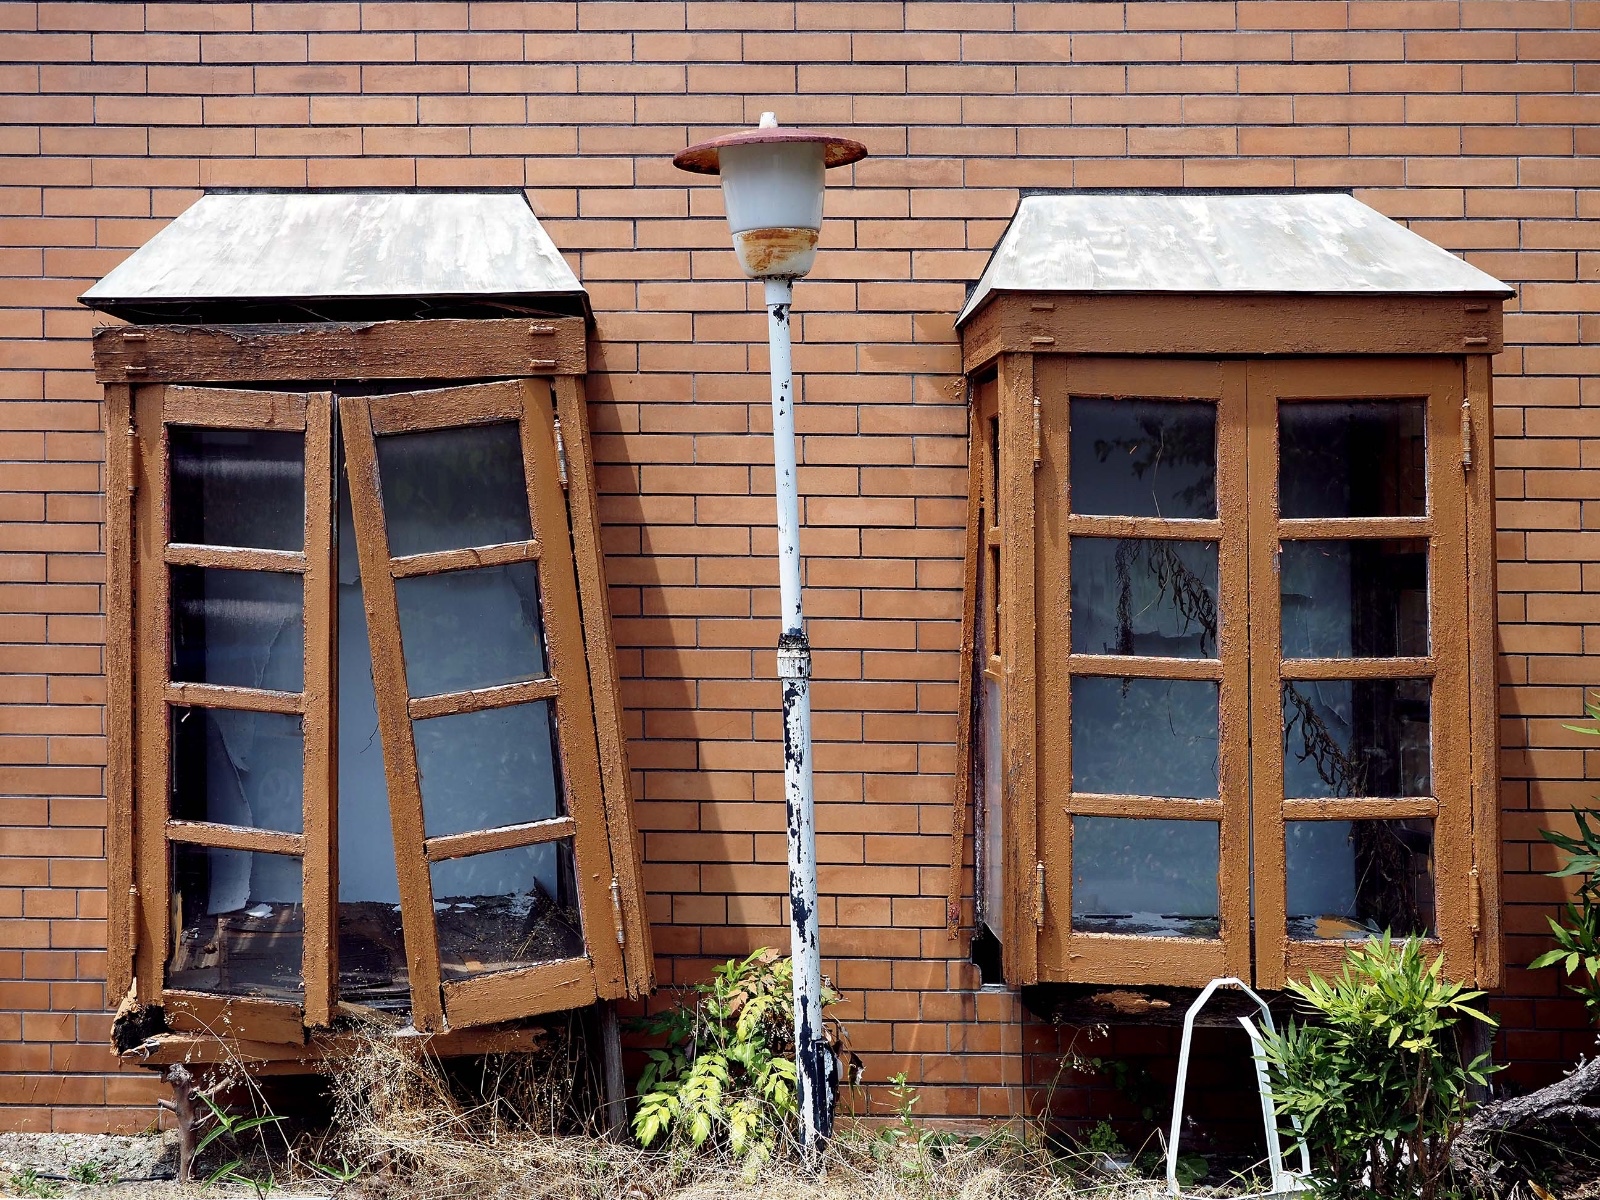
(1474, 121)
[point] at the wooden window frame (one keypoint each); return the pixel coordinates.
(1065, 953)
(141, 367)
(563, 983)
(1042, 347)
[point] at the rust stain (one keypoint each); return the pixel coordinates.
(763, 250)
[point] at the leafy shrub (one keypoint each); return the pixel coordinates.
(1577, 933)
(726, 1076)
(1378, 1085)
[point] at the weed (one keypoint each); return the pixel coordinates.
(28, 1182)
(726, 1076)
(88, 1172)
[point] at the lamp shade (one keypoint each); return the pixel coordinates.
(772, 189)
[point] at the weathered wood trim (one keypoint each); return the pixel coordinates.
(1161, 808)
(575, 713)
(394, 723)
(500, 696)
(1360, 668)
(235, 837)
(568, 983)
(320, 864)
(229, 1017)
(1019, 647)
(236, 558)
(226, 408)
(966, 712)
(433, 563)
(626, 850)
(1115, 958)
(505, 837)
(320, 1051)
(1183, 529)
(216, 695)
(1204, 325)
(336, 350)
(1319, 528)
(1483, 664)
(1360, 808)
(446, 408)
(152, 729)
(117, 541)
(1135, 666)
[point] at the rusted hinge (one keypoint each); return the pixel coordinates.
(1037, 432)
(1038, 895)
(616, 909)
(1466, 435)
(1476, 901)
(135, 461)
(561, 457)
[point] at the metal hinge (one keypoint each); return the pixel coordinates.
(1038, 895)
(1466, 435)
(135, 461)
(616, 909)
(1476, 902)
(561, 456)
(1037, 434)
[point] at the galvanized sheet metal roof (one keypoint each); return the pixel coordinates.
(1323, 244)
(326, 245)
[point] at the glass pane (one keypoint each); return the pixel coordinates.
(1356, 737)
(241, 628)
(994, 826)
(1365, 598)
(508, 909)
(1352, 458)
(1144, 737)
(238, 768)
(238, 487)
(239, 923)
(1144, 596)
(448, 488)
(1353, 879)
(1150, 878)
(1144, 458)
(372, 957)
(471, 629)
(485, 769)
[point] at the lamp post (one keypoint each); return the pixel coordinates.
(772, 190)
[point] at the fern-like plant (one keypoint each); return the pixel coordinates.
(725, 1077)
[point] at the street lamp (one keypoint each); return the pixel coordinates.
(772, 190)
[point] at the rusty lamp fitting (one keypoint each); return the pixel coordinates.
(772, 189)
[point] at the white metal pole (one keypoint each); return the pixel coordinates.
(813, 1059)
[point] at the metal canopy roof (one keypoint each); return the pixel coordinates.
(308, 246)
(1318, 244)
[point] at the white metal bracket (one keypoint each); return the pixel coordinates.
(1284, 1182)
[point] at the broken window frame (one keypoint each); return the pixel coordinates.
(198, 366)
(1024, 347)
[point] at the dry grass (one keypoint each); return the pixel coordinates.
(419, 1132)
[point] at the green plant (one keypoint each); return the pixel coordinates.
(1577, 933)
(1103, 1139)
(231, 1127)
(1378, 1087)
(28, 1182)
(87, 1172)
(725, 1077)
